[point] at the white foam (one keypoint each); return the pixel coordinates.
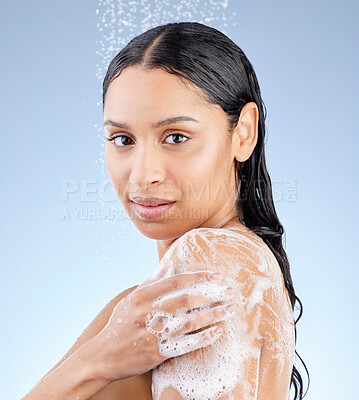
(213, 290)
(225, 364)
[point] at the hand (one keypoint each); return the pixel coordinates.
(154, 322)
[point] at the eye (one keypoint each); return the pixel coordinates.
(119, 140)
(177, 134)
(122, 140)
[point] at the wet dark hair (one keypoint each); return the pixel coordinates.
(213, 62)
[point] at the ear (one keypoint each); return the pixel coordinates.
(245, 134)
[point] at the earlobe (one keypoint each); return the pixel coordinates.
(246, 132)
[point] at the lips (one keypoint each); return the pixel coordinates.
(151, 201)
(152, 211)
(153, 205)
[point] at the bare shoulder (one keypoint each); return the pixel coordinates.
(262, 316)
(233, 250)
(244, 259)
(96, 326)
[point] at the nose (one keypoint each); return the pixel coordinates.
(147, 168)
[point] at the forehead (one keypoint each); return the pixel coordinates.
(155, 91)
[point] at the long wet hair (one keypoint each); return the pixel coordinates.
(209, 59)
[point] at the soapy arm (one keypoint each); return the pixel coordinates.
(244, 362)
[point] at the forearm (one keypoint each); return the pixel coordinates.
(74, 379)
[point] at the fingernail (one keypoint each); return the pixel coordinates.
(229, 290)
(230, 308)
(215, 276)
(218, 330)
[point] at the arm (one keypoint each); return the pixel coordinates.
(124, 348)
(69, 376)
(254, 357)
(73, 379)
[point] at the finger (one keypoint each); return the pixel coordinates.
(200, 319)
(176, 346)
(164, 325)
(177, 281)
(196, 296)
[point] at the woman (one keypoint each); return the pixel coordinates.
(184, 125)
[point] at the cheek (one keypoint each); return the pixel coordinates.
(114, 169)
(209, 178)
(200, 177)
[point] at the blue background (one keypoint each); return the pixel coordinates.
(58, 270)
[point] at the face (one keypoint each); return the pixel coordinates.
(188, 161)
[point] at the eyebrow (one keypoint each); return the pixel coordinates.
(168, 121)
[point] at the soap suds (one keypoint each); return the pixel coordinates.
(262, 316)
(168, 324)
(212, 290)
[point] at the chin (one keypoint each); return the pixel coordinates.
(166, 227)
(159, 229)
